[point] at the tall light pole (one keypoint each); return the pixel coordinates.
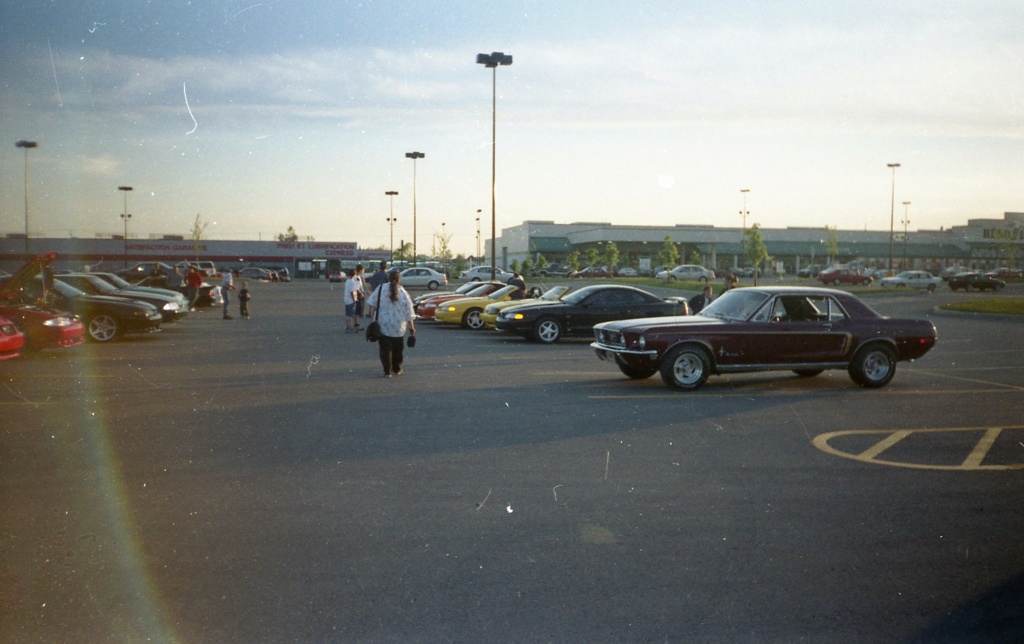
(905, 222)
(125, 216)
(414, 156)
(892, 214)
(493, 60)
(478, 233)
(744, 212)
(391, 220)
(26, 145)
(444, 251)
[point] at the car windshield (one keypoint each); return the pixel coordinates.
(479, 291)
(578, 296)
(117, 281)
(95, 285)
(554, 293)
(738, 304)
(502, 292)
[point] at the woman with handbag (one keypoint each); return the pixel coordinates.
(394, 313)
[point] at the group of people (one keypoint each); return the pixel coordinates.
(381, 297)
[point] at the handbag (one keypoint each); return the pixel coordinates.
(373, 330)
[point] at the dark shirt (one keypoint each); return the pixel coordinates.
(518, 281)
(378, 278)
(698, 302)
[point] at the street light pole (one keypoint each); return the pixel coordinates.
(26, 145)
(125, 216)
(478, 234)
(892, 214)
(414, 156)
(444, 251)
(391, 220)
(493, 60)
(905, 222)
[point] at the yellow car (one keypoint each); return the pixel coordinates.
(466, 311)
(491, 311)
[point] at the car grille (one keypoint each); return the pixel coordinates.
(610, 338)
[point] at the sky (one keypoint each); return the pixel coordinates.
(256, 116)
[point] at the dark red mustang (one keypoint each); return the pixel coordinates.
(804, 330)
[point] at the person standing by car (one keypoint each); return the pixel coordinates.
(174, 280)
(517, 280)
(395, 315)
(193, 280)
(353, 293)
(698, 302)
(227, 284)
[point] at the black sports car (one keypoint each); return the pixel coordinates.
(971, 281)
(171, 307)
(105, 317)
(578, 312)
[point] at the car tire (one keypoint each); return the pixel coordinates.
(931, 288)
(686, 367)
(471, 319)
(837, 282)
(637, 373)
(703, 278)
(808, 373)
(873, 366)
(968, 287)
(102, 328)
(475, 279)
(547, 330)
(432, 285)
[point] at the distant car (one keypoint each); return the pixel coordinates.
(577, 312)
(627, 271)
(254, 273)
(172, 307)
(480, 273)
(590, 272)
(137, 272)
(913, 279)
(428, 306)
(283, 273)
(337, 276)
(11, 339)
(423, 277)
(844, 275)
(1005, 274)
(687, 272)
(811, 270)
(804, 330)
(972, 281)
(551, 270)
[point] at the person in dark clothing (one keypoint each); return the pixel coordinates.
(517, 280)
(698, 302)
(243, 301)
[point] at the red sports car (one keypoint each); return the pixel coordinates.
(426, 307)
(804, 330)
(11, 339)
(44, 327)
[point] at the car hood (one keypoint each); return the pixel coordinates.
(23, 275)
(674, 323)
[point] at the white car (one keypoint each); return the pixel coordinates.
(689, 272)
(423, 277)
(481, 273)
(913, 279)
(627, 271)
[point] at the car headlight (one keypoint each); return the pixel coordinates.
(449, 309)
(518, 316)
(59, 322)
(140, 313)
(171, 306)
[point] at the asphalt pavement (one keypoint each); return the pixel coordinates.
(257, 480)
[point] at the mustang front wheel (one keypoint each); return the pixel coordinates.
(547, 330)
(685, 368)
(471, 319)
(873, 366)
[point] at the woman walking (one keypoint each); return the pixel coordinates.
(395, 315)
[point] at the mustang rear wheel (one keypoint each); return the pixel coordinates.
(873, 366)
(685, 368)
(547, 330)
(471, 319)
(103, 328)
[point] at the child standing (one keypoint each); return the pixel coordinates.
(243, 300)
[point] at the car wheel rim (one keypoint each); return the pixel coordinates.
(473, 320)
(877, 366)
(688, 369)
(548, 331)
(103, 328)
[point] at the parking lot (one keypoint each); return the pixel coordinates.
(256, 480)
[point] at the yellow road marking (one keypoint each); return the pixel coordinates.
(890, 437)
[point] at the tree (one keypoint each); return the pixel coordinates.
(196, 234)
(542, 263)
(290, 236)
(526, 266)
(514, 266)
(696, 258)
(831, 243)
(611, 255)
(404, 252)
(459, 264)
(441, 248)
(590, 256)
(573, 260)
(754, 248)
(669, 255)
